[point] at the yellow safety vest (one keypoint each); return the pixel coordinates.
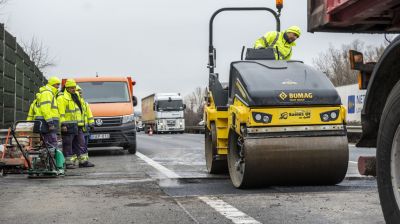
(87, 114)
(47, 104)
(69, 110)
(34, 112)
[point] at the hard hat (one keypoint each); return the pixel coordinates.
(78, 87)
(70, 83)
(294, 29)
(53, 80)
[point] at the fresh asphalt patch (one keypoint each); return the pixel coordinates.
(191, 187)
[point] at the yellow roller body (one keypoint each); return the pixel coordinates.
(216, 137)
(295, 147)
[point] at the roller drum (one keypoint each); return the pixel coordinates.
(289, 161)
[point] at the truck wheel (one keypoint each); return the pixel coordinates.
(213, 166)
(131, 148)
(388, 157)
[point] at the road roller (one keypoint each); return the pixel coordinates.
(275, 122)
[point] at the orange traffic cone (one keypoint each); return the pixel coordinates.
(150, 131)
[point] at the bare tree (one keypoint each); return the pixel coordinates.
(194, 106)
(335, 62)
(3, 2)
(38, 53)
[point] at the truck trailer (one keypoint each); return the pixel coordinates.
(163, 113)
(380, 116)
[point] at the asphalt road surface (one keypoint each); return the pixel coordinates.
(167, 182)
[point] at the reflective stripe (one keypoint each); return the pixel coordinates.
(69, 122)
(83, 158)
(273, 42)
(40, 117)
(276, 39)
(45, 102)
(72, 111)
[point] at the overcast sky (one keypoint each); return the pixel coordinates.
(162, 44)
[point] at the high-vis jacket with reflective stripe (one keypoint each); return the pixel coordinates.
(34, 112)
(69, 110)
(87, 113)
(47, 103)
(276, 40)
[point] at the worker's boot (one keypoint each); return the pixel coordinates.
(71, 166)
(86, 164)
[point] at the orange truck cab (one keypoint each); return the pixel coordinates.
(111, 101)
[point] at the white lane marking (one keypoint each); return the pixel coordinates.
(168, 173)
(353, 162)
(220, 206)
(229, 211)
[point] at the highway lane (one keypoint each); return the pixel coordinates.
(355, 200)
(184, 153)
(167, 182)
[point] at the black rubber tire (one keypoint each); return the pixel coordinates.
(213, 166)
(389, 123)
(239, 179)
(132, 148)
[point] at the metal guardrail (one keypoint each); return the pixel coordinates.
(200, 129)
(354, 129)
(195, 129)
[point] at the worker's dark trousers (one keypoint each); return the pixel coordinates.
(51, 138)
(74, 144)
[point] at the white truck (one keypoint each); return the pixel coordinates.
(163, 113)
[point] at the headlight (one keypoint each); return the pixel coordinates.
(329, 115)
(128, 118)
(262, 117)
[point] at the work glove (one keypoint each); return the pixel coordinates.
(91, 128)
(64, 129)
(51, 125)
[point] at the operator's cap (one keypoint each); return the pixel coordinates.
(70, 83)
(294, 29)
(78, 87)
(53, 81)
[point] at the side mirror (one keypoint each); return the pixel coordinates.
(184, 106)
(134, 100)
(154, 107)
(356, 59)
(133, 83)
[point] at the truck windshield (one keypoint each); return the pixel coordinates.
(105, 92)
(165, 105)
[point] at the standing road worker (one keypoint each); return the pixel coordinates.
(87, 117)
(281, 42)
(34, 109)
(72, 123)
(48, 110)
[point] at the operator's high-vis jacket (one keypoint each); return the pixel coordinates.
(69, 110)
(47, 104)
(276, 40)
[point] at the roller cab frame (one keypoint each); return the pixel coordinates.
(216, 110)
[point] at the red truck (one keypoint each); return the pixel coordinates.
(381, 112)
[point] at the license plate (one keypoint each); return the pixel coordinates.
(99, 136)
